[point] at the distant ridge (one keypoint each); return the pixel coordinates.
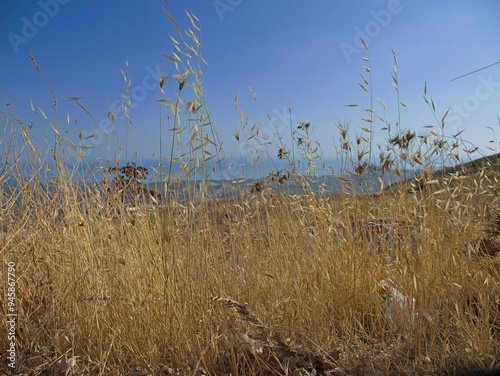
(492, 162)
(472, 167)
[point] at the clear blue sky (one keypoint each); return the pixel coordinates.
(302, 55)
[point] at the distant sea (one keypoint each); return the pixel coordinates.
(235, 175)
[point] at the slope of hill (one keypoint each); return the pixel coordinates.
(489, 163)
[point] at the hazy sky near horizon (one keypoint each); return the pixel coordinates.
(298, 55)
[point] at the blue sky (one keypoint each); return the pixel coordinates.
(303, 55)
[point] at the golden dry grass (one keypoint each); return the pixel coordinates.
(262, 284)
(192, 292)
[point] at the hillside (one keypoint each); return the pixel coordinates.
(490, 163)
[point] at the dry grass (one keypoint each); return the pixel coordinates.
(152, 288)
(263, 284)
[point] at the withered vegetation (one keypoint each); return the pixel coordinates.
(115, 276)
